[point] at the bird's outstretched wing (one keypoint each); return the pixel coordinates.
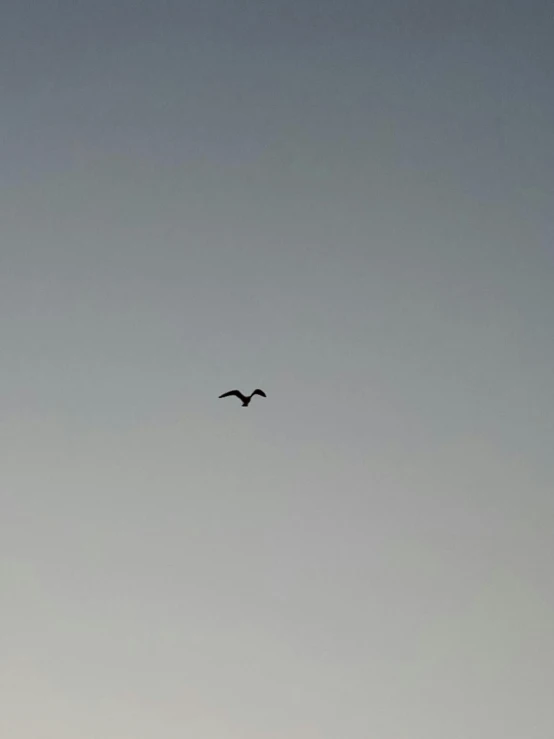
(234, 392)
(259, 392)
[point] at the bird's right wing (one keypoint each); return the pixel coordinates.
(233, 392)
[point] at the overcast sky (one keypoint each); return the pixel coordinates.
(350, 205)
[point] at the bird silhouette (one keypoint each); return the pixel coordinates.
(245, 398)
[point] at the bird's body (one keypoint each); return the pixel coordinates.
(245, 398)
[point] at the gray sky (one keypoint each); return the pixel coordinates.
(349, 205)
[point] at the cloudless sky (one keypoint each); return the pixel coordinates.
(350, 205)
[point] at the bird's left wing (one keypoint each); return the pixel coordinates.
(233, 392)
(259, 392)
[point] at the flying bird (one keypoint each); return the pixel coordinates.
(245, 398)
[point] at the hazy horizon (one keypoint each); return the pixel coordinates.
(347, 205)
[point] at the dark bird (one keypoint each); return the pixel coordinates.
(245, 398)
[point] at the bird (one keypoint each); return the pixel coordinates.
(245, 398)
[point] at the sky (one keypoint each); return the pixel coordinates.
(350, 206)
